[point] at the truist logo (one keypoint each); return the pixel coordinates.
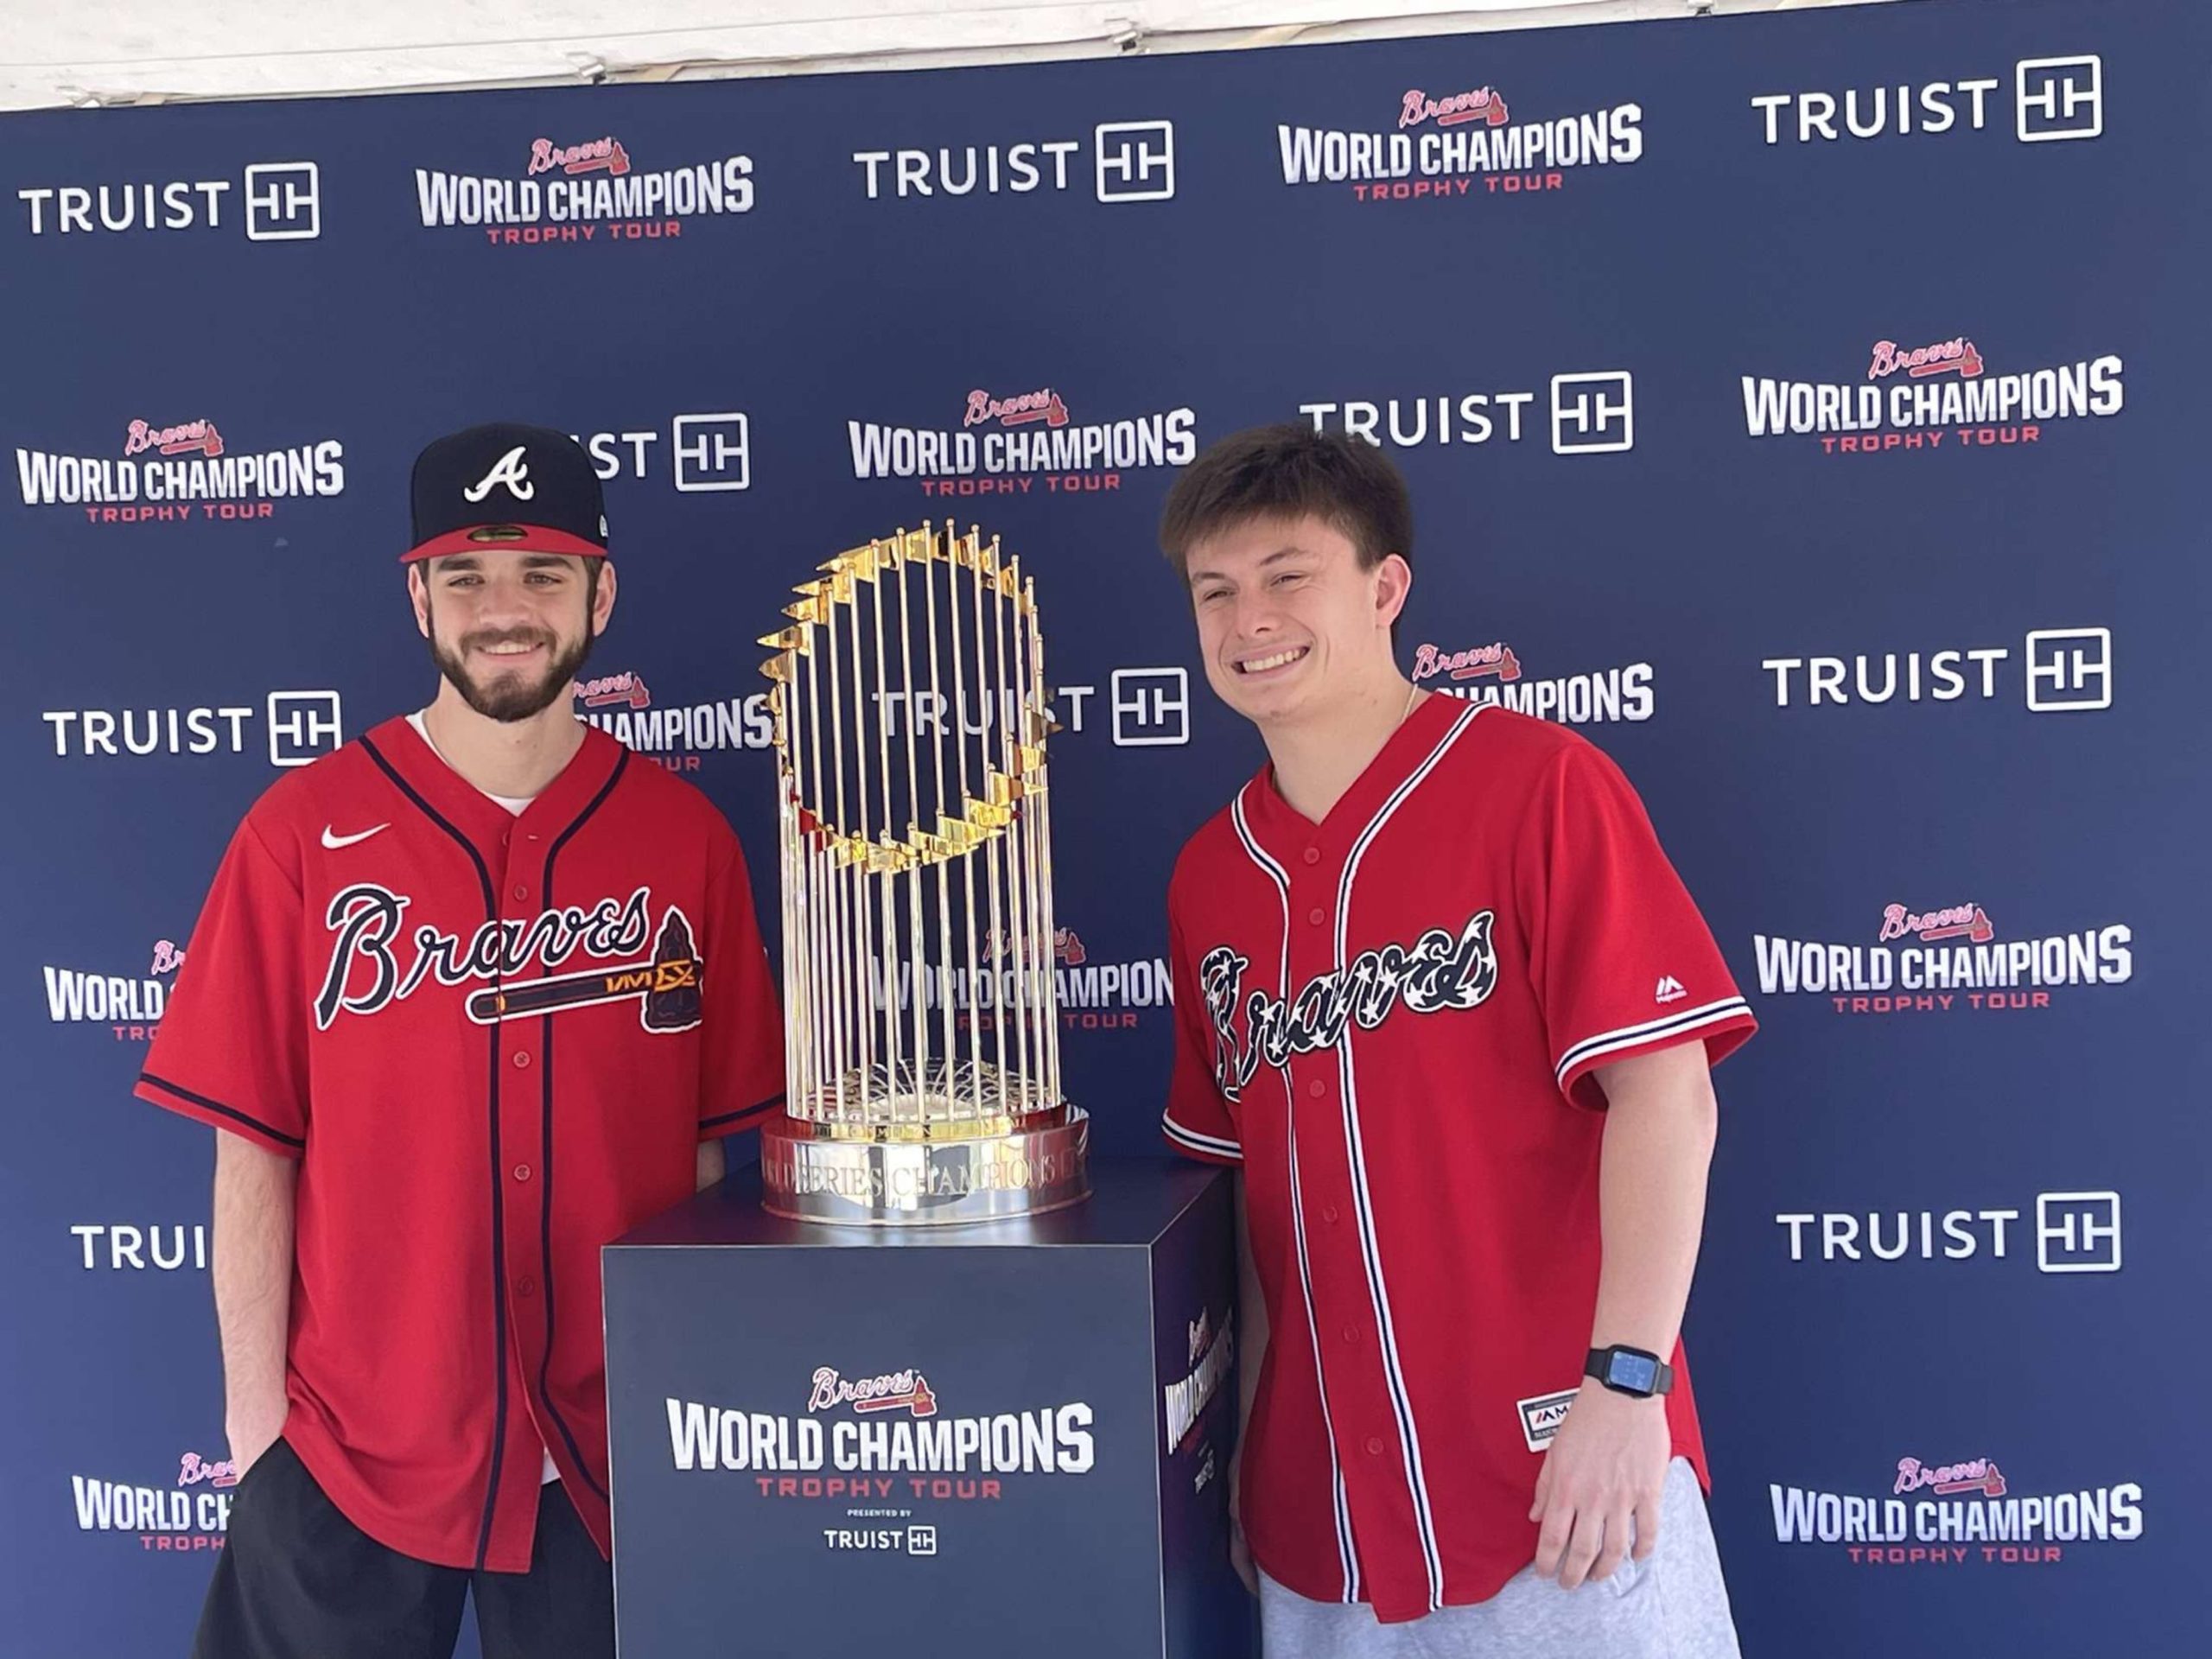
(1440, 972)
(1946, 357)
(1950, 1479)
(623, 690)
(1960, 922)
(1485, 104)
(600, 156)
(1469, 665)
(1022, 410)
(368, 918)
(906, 1391)
(192, 438)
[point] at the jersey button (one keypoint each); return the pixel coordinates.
(1316, 1088)
(1312, 854)
(1329, 1214)
(1375, 1445)
(521, 891)
(526, 1285)
(521, 1058)
(1317, 915)
(522, 1171)
(1351, 1333)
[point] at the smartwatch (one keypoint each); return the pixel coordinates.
(1629, 1370)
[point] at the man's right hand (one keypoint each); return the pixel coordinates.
(251, 1434)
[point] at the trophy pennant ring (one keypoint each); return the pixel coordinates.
(922, 1023)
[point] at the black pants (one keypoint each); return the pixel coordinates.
(298, 1580)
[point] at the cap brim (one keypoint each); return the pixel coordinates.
(525, 538)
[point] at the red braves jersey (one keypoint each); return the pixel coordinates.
(1390, 1020)
(494, 1042)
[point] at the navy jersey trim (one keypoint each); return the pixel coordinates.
(498, 1215)
(545, 1147)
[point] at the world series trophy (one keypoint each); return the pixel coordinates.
(915, 833)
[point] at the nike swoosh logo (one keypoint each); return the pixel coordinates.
(333, 842)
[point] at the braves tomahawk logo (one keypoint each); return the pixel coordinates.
(367, 920)
(1438, 972)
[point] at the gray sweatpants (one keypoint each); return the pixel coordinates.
(1672, 1606)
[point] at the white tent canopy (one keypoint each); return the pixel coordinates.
(155, 51)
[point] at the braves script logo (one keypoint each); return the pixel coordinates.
(194, 1469)
(1484, 104)
(1960, 921)
(610, 690)
(367, 918)
(894, 1391)
(194, 437)
(1067, 947)
(1440, 972)
(1979, 1475)
(166, 957)
(1947, 357)
(1472, 663)
(1030, 406)
(600, 156)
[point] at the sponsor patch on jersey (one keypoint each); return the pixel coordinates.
(1542, 1416)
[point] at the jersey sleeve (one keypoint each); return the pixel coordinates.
(232, 1047)
(1621, 961)
(1197, 1122)
(741, 1067)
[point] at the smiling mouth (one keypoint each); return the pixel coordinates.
(1273, 660)
(514, 652)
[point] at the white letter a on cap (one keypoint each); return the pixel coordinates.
(512, 471)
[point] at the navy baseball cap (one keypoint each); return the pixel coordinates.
(507, 486)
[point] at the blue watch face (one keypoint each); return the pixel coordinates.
(1633, 1371)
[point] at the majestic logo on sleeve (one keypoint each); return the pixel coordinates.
(1438, 972)
(367, 919)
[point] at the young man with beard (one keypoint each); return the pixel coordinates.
(1443, 998)
(469, 998)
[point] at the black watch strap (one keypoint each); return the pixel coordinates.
(1599, 1365)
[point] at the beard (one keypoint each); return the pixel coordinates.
(510, 695)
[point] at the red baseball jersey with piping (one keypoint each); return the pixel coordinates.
(1390, 1019)
(494, 1043)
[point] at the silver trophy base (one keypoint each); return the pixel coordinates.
(807, 1176)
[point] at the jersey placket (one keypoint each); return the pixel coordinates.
(518, 1152)
(1369, 1450)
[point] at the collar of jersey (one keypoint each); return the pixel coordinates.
(1286, 832)
(482, 819)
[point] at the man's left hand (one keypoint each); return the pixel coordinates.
(1601, 1484)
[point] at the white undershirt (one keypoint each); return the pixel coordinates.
(515, 805)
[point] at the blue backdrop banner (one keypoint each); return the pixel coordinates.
(1802, 407)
